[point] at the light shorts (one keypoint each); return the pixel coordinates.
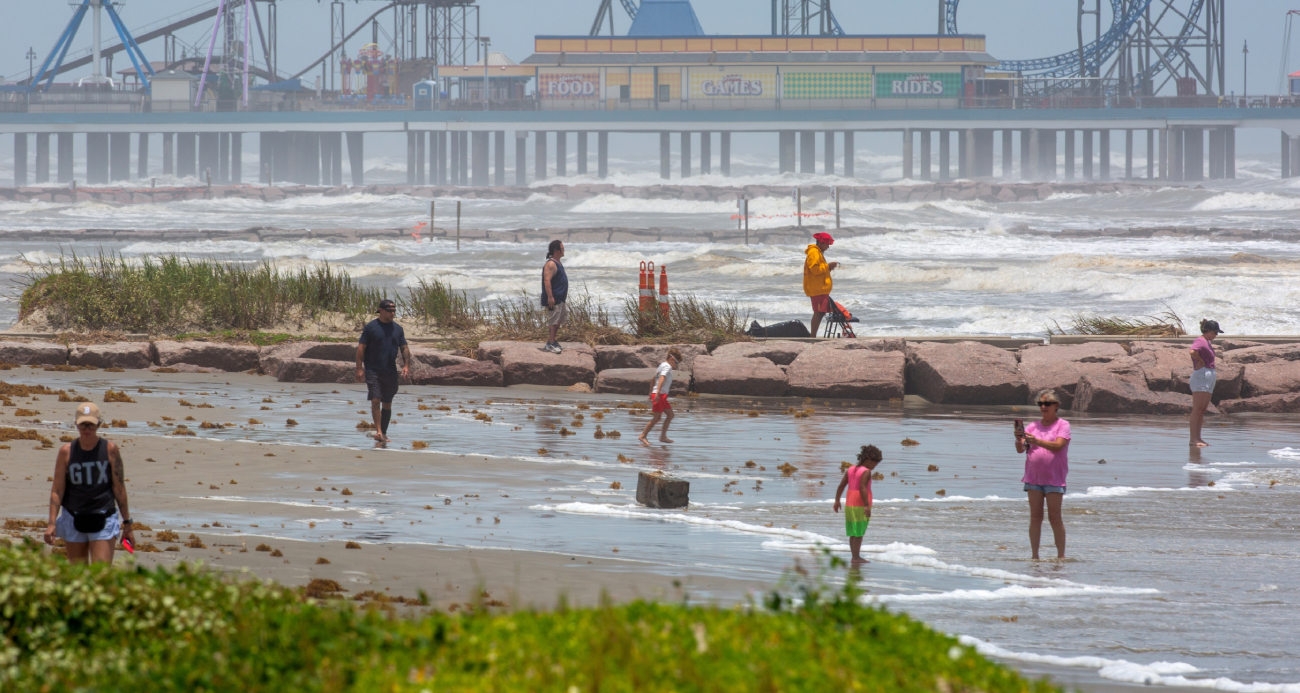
(558, 315)
(1045, 488)
(64, 529)
(1203, 380)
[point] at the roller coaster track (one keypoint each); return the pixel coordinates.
(1097, 53)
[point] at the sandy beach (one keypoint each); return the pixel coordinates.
(164, 474)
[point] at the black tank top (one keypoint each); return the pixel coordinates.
(89, 483)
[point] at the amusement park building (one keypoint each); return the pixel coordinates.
(697, 72)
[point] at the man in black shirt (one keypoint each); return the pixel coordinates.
(377, 365)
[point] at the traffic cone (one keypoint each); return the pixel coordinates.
(663, 294)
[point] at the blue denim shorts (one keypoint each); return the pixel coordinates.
(1045, 488)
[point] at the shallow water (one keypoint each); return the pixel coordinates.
(948, 267)
(1182, 563)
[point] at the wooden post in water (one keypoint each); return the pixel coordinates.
(746, 222)
(835, 193)
(798, 205)
(431, 226)
(457, 224)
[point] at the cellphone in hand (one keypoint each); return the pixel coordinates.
(1020, 428)
(126, 544)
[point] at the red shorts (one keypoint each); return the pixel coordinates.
(821, 304)
(659, 403)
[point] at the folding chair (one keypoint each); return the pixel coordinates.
(837, 322)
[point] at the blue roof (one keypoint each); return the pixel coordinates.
(666, 18)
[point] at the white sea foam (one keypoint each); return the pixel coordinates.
(1155, 673)
(797, 539)
(1009, 592)
(1289, 454)
(1120, 491)
(1248, 201)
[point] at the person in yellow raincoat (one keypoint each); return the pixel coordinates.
(817, 277)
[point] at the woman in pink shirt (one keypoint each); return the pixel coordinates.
(1203, 378)
(1046, 464)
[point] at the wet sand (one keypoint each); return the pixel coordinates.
(163, 474)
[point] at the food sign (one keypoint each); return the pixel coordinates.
(570, 85)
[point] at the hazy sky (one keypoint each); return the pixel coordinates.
(1015, 28)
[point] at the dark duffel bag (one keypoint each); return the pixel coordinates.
(785, 330)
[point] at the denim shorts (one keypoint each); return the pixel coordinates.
(65, 530)
(1202, 380)
(1045, 488)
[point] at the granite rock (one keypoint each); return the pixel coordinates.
(964, 373)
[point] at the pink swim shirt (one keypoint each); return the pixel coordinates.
(1202, 346)
(1042, 466)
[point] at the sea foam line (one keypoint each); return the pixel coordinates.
(1156, 673)
(1009, 592)
(897, 553)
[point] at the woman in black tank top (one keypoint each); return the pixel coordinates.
(89, 489)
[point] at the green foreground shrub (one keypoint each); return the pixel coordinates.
(65, 627)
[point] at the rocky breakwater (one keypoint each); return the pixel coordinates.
(1139, 377)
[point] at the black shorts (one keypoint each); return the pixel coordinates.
(380, 386)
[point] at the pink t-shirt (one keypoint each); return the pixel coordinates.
(1042, 466)
(1202, 346)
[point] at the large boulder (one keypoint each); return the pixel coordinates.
(1265, 353)
(434, 358)
(738, 376)
(1103, 393)
(1158, 362)
(1059, 367)
(964, 373)
(526, 364)
(136, 355)
(209, 355)
(1269, 404)
(33, 353)
(492, 351)
(1229, 378)
(848, 369)
(778, 352)
(637, 381)
(1270, 378)
(471, 374)
(331, 351)
(644, 355)
(273, 359)
(317, 371)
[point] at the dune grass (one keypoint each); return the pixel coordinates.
(67, 627)
(230, 301)
(171, 294)
(1163, 324)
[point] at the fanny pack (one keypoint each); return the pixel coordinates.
(90, 523)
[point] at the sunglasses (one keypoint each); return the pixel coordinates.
(1047, 404)
(389, 310)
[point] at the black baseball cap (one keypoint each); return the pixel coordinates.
(1211, 326)
(387, 304)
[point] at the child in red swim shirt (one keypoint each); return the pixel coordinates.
(663, 383)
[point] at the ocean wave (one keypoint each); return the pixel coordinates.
(1249, 202)
(1009, 592)
(1289, 454)
(1155, 673)
(616, 204)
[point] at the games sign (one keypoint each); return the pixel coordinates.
(918, 85)
(729, 85)
(568, 85)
